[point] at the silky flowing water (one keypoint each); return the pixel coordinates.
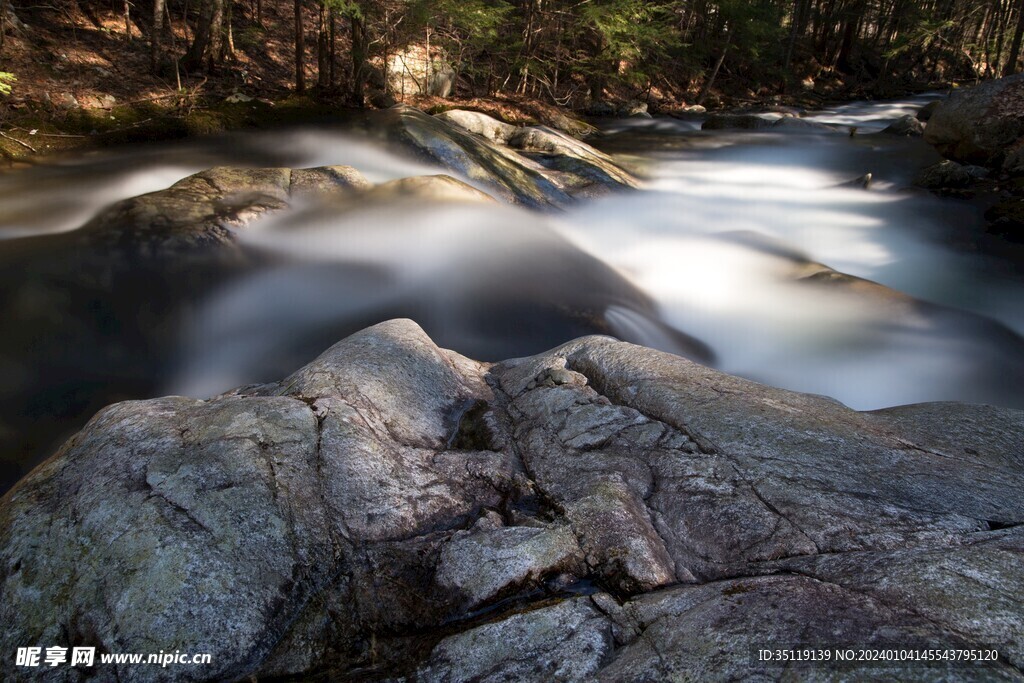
(721, 245)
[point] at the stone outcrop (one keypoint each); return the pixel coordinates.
(417, 70)
(480, 124)
(597, 512)
(979, 125)
(204, 209)
(537, 167)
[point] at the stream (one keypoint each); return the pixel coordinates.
(726, 243)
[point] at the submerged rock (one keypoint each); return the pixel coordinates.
(738, 121)
(862, 182)
(798, 125)
(620, 513)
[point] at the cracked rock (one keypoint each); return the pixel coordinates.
(598, 512)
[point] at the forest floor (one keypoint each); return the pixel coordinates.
(84, 82)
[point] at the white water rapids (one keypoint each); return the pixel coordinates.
(719, 239)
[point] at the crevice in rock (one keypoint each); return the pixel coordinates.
(778, 513)
(994, 525)
(905, 445)
(471, 432)
(546, 504)
(596, 380)
(194, 522)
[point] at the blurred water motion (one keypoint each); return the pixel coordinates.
(729, 254)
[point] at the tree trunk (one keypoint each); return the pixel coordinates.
(794, 28)
(714, 73)
(128, 20)
(157, 27)
(359, 56)
(207, 45)
(216, 55)
(300, 50)
(334, 48)
(3, 22)
(322, 69)
(229, 35)
(1011, 63)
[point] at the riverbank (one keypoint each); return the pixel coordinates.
(84, 83)
(34, 130)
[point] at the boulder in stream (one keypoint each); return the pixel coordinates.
(469, 145)
(978, 125)
(906, 126)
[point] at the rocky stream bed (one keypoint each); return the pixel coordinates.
(393, 510)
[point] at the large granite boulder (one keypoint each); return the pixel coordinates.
(977, 125)
(501, 171)
(597, 512)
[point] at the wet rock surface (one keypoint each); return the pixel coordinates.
(576, 166)
(597, 512)
(553, 168)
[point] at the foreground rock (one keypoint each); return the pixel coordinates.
(980, 125)
(615, 513)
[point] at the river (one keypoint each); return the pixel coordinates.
(726, 242)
